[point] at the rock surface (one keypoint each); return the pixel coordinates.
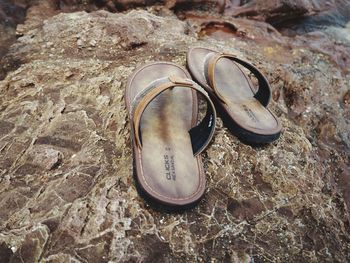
(66, 187)
(10, 15)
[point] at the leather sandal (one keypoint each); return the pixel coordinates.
(242, 106)
(162, 104)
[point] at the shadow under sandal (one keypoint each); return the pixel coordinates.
(242, 106)
(163, 107)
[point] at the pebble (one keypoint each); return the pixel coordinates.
(79, 42)
(93, 43)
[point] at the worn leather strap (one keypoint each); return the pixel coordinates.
(264, 91)
(200, 135)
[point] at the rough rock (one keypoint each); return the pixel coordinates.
(66, 187)
(10, 15)
(121, 5)
(298, 12)
(274, 10)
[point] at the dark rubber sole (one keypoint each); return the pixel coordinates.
(243, 135)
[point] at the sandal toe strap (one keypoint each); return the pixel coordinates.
(263, 94)
(200, 135)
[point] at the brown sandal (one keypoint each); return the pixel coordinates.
(162, 104)
(242, 106)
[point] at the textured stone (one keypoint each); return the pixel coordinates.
(66, 187)
(274, 9)
(11, 13)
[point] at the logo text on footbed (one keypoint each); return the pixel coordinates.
(169, 165)
(250, 113)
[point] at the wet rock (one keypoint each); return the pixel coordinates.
(186, 4)
(11, 14)
(122, 5)
(5, 252)
(293, 13)
(276, 10)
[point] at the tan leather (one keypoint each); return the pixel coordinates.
(225, 80)
(213, 59)
(142, 103)
(166, 168)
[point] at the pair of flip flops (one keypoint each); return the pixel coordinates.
(167, 138)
